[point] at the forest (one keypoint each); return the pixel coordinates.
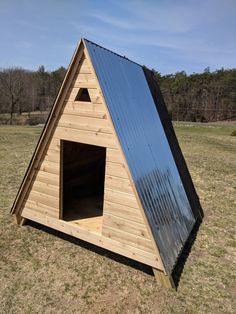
(204, 97)
(28, 91)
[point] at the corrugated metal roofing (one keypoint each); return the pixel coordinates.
(146, 149)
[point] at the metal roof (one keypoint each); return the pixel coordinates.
(145, 146)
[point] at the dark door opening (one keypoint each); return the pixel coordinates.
(83, 176)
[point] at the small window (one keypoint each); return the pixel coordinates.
(83, 95)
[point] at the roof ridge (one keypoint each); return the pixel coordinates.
(123, 57)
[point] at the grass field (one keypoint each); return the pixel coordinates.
(45, 272)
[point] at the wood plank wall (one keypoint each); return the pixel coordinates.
(88, 123)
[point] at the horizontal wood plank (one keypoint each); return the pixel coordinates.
(43, 209)
(86, 106)
(50, 167)
(84, 113)
(109, 244)
(85, 123)
(84, 80)
(81, 83)
(114, 155)
(95, 95)
(52, 155)
(128, 226)
(87, 137)
(55, 144)
(46, 188)
(127, 238)
(48, 178)
(45, 199)
(116, 170)
(121, 198)
(123, 211)
(84, 68)
(118, 184)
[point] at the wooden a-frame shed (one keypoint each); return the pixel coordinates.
(108, 168)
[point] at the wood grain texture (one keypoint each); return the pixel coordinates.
(165, 280)
(123, 211)
(96, 239)
(122, 228)
(46, 135)
(125, 225)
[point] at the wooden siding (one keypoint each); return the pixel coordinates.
(100, 240)
(122, 219)
(124, 229)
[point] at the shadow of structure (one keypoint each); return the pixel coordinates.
(176, 274)
(178, 269)
(96, 249)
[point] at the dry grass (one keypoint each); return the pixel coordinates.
(25, 118)
(42, 272)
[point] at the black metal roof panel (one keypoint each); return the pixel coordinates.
(146, 148)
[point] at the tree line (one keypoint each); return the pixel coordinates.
(28, 91)
(206, 96)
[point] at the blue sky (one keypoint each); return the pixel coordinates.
(169, 36)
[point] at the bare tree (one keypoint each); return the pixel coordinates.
(12, 90)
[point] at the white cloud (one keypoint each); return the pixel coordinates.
(186, 30)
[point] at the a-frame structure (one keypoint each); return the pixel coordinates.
(107, 168)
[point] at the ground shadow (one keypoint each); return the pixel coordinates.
(178, 269)
(88, 246)
(176, 274)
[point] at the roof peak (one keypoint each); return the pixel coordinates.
(117, 54)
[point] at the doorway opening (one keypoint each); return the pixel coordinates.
(82, 184)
